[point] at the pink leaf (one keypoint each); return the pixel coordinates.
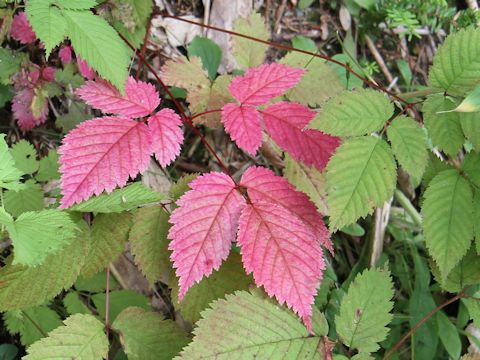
(65, 54)
(48, 73)
(101, 154)
(22, 109)
(167, 135)
(264, 82)
(286, 122)
(242, 122)
(85, 70)
(204, 226)
(264, 186)
(21, 30)
(140, 98)
(283, 255)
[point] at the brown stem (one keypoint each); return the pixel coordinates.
(144, 46)
(205, 113)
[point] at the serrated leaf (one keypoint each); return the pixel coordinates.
(319, 83)
(239, 326)
(9, 173)
(21, 30)
(108, 237)
(78, 4)
(9, 64)
(360, 176)
(470, 167)
(149, 242)
(274, 241)
(25, 157)
(285, 122)
(146, 336)
(35, 234)
(226, 280)
(449, 335)
(74, 305)
(209, 52)
(127, 198)
(30, 198)
(448, 219)
(409, 145)
(365, 311)
(48, 167)
(77, 114)
(471, 103)
(99, 45)
(119, 301)
(476, 219)
(48, 23)
(204, 227)
(185, 73)
(167, 135)
(242, 123)
(140, 98)
(181, 186)
(101, 154)
(353, 113)
(249, 53)
(82, 337)
(308, 180)
(444, 128)
(470, 123)
(22, 286)
(456, 63)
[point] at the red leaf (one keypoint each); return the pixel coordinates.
(286, 122)
(85, 70)
(22, 109)
(167, 135)
(140, 98)
(243, 124)
(101, 154)
(283, 255)
(264, 82)
(204, 226)
(65, 54)
(21, 30)
(264, 186)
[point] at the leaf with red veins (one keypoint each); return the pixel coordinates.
(242, 123)
(204, 227)
(21, 30)
(140, 99)
(286, 122)
(283, 255)
(167, 135)
(264, 186)
(101, 154)
(264, 82)
(22, 110)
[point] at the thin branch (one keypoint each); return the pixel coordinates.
(107, 305)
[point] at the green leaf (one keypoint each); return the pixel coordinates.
(471, 103)
(119, 200)
(448, 219)
(81, 338)
(8, 352)
(308, 180)
(471, 167)
(69, 77)
(476, 219)
(31, 323)
(30, 198)
(35, 234)
(22, 286)
(96, 283)
(77, 4)
(365, 311)
(348, 80)
(181, 186)
(303, 43)
(47, 22)
(360, 175)
(10, 175)
(109, 235)
(449, 336)
(74, 304)
(457, 63)
(25, 157)
(247, 326)
(6, 94)
(319, 83)
(75, 116)
(434, 166)
(444, 128)
(473, 306)
(99, 45)
(9, 65)
(250, 53)
(409, 145)
(470, 123)
(353, 113)
(209, 52)
(226, 280)
(146, 336)
(119, 301)
(149, 242)
(48, 167)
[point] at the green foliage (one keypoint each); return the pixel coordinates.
(140, 330)
(365, 311)
(238, 326)
(119, 301)
(48, 167)
(354, 113)
(248, 53)
(10, 175)
(29, 198)
(448, 219)
(9, 65)
(82, 337)
(360, 175)
(25, 157)
(209, 52)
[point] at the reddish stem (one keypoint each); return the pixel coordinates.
(205, 113)
(107, 305)
(144, 46)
